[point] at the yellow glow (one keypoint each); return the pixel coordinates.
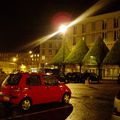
(31, 56)
(100, 4)
(62, 28)
(14, 59)
(41, 40)
(23, 68)
(30, 52)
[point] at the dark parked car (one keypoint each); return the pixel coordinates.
(92, 77)
(57, 73)
(75, 77)
(61, 77)
(82, 77)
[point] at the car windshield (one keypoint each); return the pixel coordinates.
(12, 79)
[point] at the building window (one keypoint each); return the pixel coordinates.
(118, 32)
(115, 35)
(104, 25)
(43, 52)
(43, 45)
(74, 41)
(50, 45)
(115, 23)
(83, 28)
(104, 35)
(93, 37)
(50, 52)
(74, 29)
(93, 26)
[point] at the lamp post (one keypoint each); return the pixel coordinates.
(14, 60)
(63, 29)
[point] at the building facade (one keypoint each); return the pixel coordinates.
(106, 26)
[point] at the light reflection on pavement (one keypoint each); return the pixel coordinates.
(92, 102)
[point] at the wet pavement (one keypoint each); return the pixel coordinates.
(93, 101)
(88, 102)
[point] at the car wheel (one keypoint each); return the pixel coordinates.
(25, 104)
(66, 98)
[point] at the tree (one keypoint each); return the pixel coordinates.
(59, 58)
(113, 57)
(96, 54)
(77, 54)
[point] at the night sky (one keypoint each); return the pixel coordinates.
(23, 21)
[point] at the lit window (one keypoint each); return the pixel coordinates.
(83, 28)
(37, 55)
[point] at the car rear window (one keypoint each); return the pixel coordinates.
(12, 79)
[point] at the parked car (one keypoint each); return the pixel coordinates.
(57, 73)
(25, 90)
(82, 77)
(92, 77)
(116, 110)
(61, 77)
(75, 77)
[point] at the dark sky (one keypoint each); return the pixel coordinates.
(23, 21)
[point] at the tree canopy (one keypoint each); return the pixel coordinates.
(59, 58)
(113, 57)
(96, 54)
(77, 54)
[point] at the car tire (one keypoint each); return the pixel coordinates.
(25, 104)
(66, 98)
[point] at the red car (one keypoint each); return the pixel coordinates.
(25, 90)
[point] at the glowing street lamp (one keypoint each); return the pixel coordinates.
(30, 52)
(63, 29)
(14, 59)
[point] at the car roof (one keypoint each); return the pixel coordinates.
(28, 73)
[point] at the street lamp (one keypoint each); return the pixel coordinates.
(30, 52)
(14, 59)
(63, 29)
